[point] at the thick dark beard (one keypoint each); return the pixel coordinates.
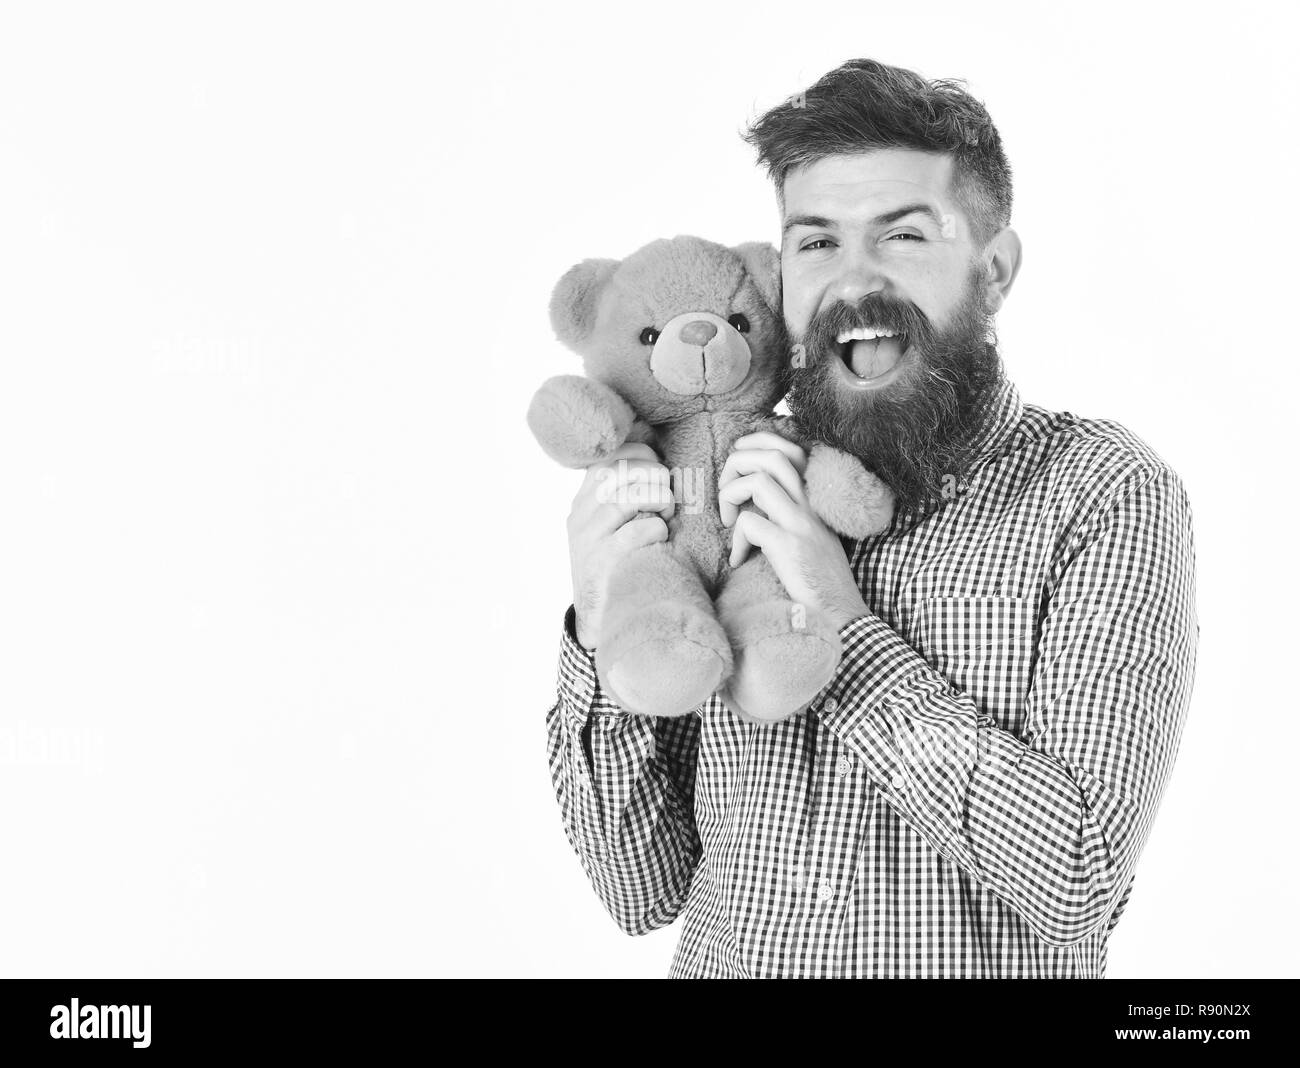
(916, 433)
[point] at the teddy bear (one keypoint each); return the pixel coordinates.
(684, 348)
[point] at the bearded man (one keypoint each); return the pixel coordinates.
(970, 794)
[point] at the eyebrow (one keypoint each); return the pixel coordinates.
(817, 221)
(822, 223)
(906, 210)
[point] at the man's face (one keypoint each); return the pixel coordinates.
(886, 291)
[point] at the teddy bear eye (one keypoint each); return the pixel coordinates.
(740, 323)
(649, 335)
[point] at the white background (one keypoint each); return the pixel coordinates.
(282, 572)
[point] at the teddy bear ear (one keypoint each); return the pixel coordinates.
(763, 263)
(576, 298)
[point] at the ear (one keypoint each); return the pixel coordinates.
(1002, 262)
(763, 264)
(576, 298)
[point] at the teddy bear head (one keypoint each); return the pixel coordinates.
(679, 327)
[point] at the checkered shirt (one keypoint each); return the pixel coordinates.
(969, 795)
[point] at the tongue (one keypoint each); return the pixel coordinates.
(871, 359)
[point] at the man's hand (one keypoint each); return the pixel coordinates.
(805, 554)
(604, 525)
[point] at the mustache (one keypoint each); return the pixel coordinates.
(875, 310)
(917, 433)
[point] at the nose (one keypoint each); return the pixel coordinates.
(698, 333)
(860, 276)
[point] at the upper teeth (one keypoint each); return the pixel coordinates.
(865, 333)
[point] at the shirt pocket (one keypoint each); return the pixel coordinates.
(984, 646)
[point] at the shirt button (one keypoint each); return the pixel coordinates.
(899, 781)
(825, 892)
(843, 766)
(830, 705)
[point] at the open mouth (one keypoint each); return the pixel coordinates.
(869, 355)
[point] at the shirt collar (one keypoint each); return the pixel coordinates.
(1004, 409)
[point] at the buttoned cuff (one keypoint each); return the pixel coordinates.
(579, 689)
(875, 661)
(917, 737)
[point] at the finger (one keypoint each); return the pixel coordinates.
(608, 502)
(606, 508)
(623, 489)
(752, 531)
(642, 487)
(766, 439)
(776, 464)
(765, 492)
(610, 517)
(638, 533)
(631, 452)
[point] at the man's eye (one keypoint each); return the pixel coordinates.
(905, 234)
(812, 245)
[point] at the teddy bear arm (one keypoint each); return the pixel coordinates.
(644, 434)
(579, 421)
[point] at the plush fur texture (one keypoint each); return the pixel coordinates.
(680, 624)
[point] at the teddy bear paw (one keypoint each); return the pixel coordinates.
(578, 421)
(784, 655)
(664, 660)
(852, 500)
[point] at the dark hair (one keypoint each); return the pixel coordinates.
(863, 104)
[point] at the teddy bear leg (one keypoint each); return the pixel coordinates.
(661, 650)
(784, 652)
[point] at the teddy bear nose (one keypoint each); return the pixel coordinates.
(698, 332)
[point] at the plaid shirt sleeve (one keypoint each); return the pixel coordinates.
(626, 788)
(1052, 819)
